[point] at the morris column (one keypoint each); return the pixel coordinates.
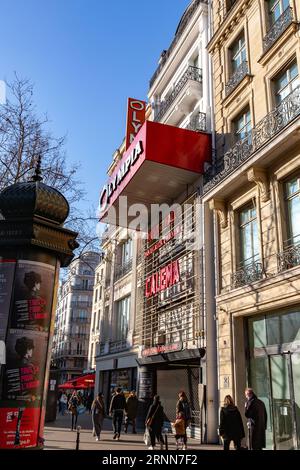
(33, 246)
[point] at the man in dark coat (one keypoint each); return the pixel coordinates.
(132, 404)
(256, 414)
(116, 410)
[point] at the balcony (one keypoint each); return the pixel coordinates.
(122, 270)
(118, 346)
(289, 258)
(237, 77)
(262, 133)
(277, 29)
(249, 273)
(190, 76)
(198, 123)
(81, 304)
(181, 27)
(112, 347)
(78, 287)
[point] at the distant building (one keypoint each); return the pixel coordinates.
(73, 317)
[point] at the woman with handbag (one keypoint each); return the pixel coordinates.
(98, 413)
(73, 408)
(154, 422)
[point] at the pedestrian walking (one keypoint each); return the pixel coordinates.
(63, 403)
(132, 404)
(73, 408)
(154, 422)
(183, 406)
(231, 424)
(98, 414)
(256, 414)
(89, 403)
(116, 410)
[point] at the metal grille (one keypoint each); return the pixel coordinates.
(172, 314)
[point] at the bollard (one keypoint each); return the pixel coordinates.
(78, 437)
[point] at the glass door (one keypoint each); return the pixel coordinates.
(283, 400)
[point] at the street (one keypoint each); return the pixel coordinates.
(59, 437)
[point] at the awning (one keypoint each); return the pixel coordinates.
(84, 381)
(157, 167)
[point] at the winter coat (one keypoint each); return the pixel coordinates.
(179, 426)
(132, 407)
(231, 424)
(98, 408)
(157, 412)
(256, 413)
(184, 407)
(118, 402)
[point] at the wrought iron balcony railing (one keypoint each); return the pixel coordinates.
(123, 269)
(236, 77)
(289, 258)
(263, 132)
(184, 21)
(247, 274)
(117, 346)
(278, 28)
(198, 123)
(191, 73)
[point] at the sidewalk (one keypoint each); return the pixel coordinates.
(59, 437)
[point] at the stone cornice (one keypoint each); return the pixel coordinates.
(228, 24)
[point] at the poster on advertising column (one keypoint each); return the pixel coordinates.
(32, 296)
(7, 269)
(23, 376)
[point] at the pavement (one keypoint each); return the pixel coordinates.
(59, 437)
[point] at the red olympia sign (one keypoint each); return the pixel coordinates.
(136, 112)
(110, 188)
(164, 278)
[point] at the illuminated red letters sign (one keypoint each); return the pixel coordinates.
(164, 278)
(136, 112)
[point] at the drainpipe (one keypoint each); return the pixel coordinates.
(212, 404)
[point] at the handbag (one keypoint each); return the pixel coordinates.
(81, 409)
(150, 419)
(147, 438)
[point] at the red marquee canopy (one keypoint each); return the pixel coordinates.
(84, 381)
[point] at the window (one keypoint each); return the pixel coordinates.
(242, 125)
(276, 8)
(126, 251)
(238, 53)
(248, 231)
(122, 324)
(286, 82)
(96, 295)
(292, 197)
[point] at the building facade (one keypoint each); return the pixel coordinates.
(73, 316)
(116, 348)
(176, 318)
(253, 189)
(174, 340)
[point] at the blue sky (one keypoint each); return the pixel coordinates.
(85, 57)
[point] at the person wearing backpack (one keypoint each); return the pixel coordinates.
(183, 406)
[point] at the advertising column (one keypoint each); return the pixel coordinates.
(25, 321)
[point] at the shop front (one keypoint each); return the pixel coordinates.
(117, 372)
(274, 373)
(172, 321)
